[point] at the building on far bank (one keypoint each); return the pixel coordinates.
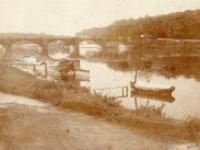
(114, 48)
(89, 48)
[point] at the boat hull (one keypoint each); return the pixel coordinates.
(153, 93)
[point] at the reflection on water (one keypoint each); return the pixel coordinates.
(187, 93)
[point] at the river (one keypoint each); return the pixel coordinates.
(186, 94)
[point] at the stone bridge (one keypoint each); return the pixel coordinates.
(8, 41)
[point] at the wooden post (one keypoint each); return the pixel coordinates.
(130, 54)
(122, 91)
(34, 70)
(25, 66)
(46, 70)
(147, 103)
(136, 104)
(127, 91)
(135, 79)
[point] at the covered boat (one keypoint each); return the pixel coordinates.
(66, 68)
(70, 70)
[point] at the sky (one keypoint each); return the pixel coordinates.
(66, 17)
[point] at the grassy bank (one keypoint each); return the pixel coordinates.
(149, 120)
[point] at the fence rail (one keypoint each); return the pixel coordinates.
(50, 72)
(47, 71)
(37, 70)
(122, 91)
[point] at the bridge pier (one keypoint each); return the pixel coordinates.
(8, 47)
(76, 50)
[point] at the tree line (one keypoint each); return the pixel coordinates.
(181, 25)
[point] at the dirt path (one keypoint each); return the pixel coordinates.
(26, 124)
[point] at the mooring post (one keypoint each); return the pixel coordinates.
(136, 104)
(34, 70)
(24, 65)
(46, 70)
(127, 91)
(122, 91)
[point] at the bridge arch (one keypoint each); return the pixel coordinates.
(25, 48)
(58, 49)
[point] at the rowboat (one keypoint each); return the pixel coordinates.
(163, 94)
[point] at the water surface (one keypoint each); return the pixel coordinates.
(186, 94)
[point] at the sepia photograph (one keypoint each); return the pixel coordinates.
(100, 75)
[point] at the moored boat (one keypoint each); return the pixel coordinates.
(163, 94)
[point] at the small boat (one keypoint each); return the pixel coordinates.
(66, 69)
(162, 94)
(69, 71)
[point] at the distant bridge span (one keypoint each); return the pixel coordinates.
(8, 41)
